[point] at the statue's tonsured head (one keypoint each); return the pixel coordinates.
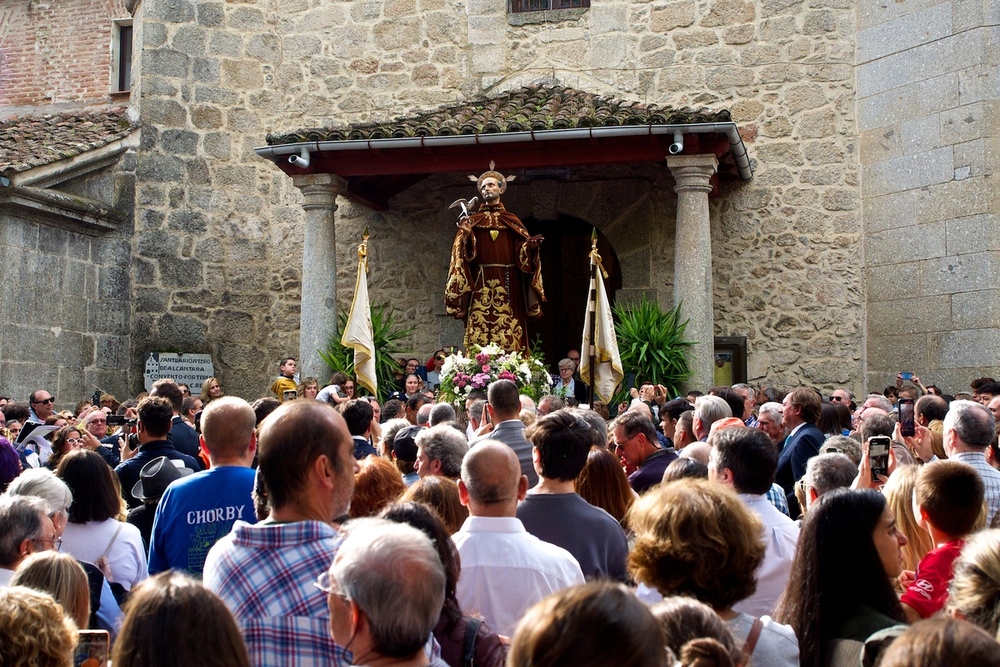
(501, 179)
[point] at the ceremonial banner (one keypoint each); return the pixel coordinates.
(600, 361)
(358, 332)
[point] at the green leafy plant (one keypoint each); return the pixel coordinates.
(386, 336)
(651, 344)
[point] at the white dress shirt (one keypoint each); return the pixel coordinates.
(781, 534)
(505, 570)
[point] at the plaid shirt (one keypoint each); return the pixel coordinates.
(265, 574)
(777, 497)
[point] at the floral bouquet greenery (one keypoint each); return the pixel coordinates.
(460, 374)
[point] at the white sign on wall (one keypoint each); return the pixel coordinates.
(189, 369)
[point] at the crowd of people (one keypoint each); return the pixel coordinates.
(739, 526)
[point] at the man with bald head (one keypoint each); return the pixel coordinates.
(505, 570)
(198, 511)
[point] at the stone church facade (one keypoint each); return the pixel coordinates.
(866, 242)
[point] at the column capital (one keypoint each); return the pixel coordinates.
(693, 172)
(319, 190)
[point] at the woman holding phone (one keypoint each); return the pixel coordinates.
(840, 591)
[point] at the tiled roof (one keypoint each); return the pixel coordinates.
(33, 141)
(535, 108)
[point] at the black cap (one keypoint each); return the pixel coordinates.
(404, 445)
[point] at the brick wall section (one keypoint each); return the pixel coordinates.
(928, 116)
(45, 56)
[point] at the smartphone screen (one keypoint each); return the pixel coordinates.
(92, 649)
(906, 426)
(878, 454)
(289, 395)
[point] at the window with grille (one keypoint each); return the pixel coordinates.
(517, 6)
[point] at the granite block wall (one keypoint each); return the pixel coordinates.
(929, 124)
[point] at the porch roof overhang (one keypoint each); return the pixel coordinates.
(531, 128)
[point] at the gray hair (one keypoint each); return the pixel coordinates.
(42, 483)
(597, 425)
(394, 574)
(442, 412)
(476, 409)
(20, 519)
(827, 472)
(424, 413)
(848, 446)
(972, 422)
(554, 402)
(883, 402)
(773, 409)
(389, 431)
(710, 409)
(444, 443)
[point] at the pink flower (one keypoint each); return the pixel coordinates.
(507, 375)
(486, 368)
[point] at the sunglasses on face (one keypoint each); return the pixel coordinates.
(46, 401)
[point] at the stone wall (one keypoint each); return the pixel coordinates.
(66, 302)
(928, 116)
(45, 56)
(219, 231)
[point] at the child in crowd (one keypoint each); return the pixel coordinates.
(948, 500)
(286, 380)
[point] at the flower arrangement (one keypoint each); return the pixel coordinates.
(461, 374)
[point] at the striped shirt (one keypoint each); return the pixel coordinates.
(990, 477)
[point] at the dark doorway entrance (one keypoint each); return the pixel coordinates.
(566, 276)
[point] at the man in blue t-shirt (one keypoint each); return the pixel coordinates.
(196, 511)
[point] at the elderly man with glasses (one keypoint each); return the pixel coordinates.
(384, 592)
(25, 528)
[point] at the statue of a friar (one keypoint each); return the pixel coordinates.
(495, 277)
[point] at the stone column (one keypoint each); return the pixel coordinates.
(693, 261)
(318, 315)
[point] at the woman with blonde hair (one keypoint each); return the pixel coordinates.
(898, 492)
(35, 630)
(62, 577)
(210, 390)
(308, 388)
(603, 483)
(974, 594)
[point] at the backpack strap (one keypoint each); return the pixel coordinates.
(751, 643)
(469, 645)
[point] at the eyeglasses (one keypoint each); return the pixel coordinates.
(73, 441)
(47, 401)
(836, 398)
(439, 358)
(327, 584)
(55, 542)
(98, 421)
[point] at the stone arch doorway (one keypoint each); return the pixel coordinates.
(566, 275)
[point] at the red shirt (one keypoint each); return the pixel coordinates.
(929, 590)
